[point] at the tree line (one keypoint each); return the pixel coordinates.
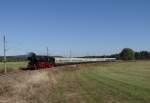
(129, 54)
(18, 58)
(126, 54)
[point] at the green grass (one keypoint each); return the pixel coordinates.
(120, 82)
(12, 65)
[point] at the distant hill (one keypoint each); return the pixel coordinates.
(14, 58)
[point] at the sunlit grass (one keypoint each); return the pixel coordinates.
(13, 66)
(118, 82)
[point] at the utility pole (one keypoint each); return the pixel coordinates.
(5, 67)
(70, 54)
(47, 53)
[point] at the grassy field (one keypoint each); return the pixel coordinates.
(124, 82)
(118, 82)
(12, 65)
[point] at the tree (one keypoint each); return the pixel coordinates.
(144, 55)
(127, 54)
(137, 55)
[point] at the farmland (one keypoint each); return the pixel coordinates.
(117, 82)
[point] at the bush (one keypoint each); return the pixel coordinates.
(127, 54)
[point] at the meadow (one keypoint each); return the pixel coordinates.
(116, 82)
(11, 66)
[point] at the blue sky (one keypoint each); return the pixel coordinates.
(93, 27)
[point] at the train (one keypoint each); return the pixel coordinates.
(40, 62)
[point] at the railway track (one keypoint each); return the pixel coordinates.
(19, 72)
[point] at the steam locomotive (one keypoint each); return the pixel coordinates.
(40, 62)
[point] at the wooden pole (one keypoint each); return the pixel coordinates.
(5, 66)
(47, 53)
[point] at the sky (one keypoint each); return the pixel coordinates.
(74, 27)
